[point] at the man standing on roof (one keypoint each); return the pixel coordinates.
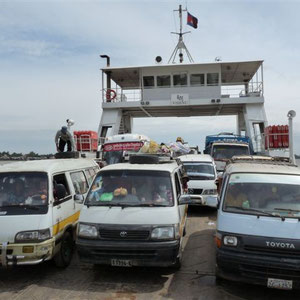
(63, 137)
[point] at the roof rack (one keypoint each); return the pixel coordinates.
(261, 159)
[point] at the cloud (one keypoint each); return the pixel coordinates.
(49, 59)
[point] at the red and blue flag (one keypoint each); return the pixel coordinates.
(192, 21)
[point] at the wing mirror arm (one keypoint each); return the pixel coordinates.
(78, 198)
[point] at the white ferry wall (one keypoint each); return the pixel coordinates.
(239, 93)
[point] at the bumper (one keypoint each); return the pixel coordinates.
(160, 254)
(256, 269)
(201, 199)
(26, 254)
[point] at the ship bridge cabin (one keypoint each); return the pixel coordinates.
(182, 90)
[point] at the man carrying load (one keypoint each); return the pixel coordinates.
(63, 137)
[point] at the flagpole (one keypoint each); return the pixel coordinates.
(180, 45)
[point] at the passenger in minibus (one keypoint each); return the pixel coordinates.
(18, 194)
(235, 196)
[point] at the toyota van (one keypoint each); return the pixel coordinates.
(39, 209)
(134, 215)
(258, 229)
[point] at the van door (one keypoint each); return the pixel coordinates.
(182, 209)
(80, 185)
(63, 208)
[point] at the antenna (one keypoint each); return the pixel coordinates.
(180, 47)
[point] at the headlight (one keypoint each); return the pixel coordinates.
(230, 240)
(163, 233)
(87, 231)
(209, 192)
(33, 236)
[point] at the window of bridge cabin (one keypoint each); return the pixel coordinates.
(212, 78)
(180, 79)
(163, 81)
(197, 79)
(148, 81)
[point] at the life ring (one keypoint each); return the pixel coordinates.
(110, 95)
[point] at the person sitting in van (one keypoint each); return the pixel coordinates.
(143, 189)
(163, 194)
(36, 191)
(18, 194)
(236, 197)
(5, 190)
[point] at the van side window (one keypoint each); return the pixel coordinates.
(177, 184)
(90, 173)
(61, 179)
(79, 182)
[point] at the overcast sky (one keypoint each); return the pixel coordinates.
(50, 65)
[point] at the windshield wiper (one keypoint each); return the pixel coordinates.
(257, 210)
(123, 205)
(287, 209)
(33, 207)
(151, 205)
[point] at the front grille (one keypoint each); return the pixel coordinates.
(274, 251)
(195, 191)
(124, 254)
(267, 272)
(8, 251)
(124, 234)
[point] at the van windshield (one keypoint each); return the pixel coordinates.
(199, 171)
(228, 151)
(131, 188)
(23, 193)
(263, 193)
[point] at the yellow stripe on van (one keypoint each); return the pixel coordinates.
(58, 227)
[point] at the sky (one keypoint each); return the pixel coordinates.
(50, 64)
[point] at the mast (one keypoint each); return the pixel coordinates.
(180, 47)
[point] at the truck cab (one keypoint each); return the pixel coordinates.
(224, 146)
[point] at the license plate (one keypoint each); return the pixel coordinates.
(121, 263)
(280, 284)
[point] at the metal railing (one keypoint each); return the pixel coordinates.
(118, 94)
(121, 94)
(240, 90)
(85, 143)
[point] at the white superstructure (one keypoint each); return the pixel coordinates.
(183, 90)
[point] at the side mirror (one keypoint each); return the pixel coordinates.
(60, 191)
(78, 198)
(212, 201)
(184, 199)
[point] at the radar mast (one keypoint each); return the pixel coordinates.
(180, 47)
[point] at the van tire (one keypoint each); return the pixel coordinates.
(177, 264)
(64, 256)
(143, 159)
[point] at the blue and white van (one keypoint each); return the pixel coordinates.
(258, 230)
